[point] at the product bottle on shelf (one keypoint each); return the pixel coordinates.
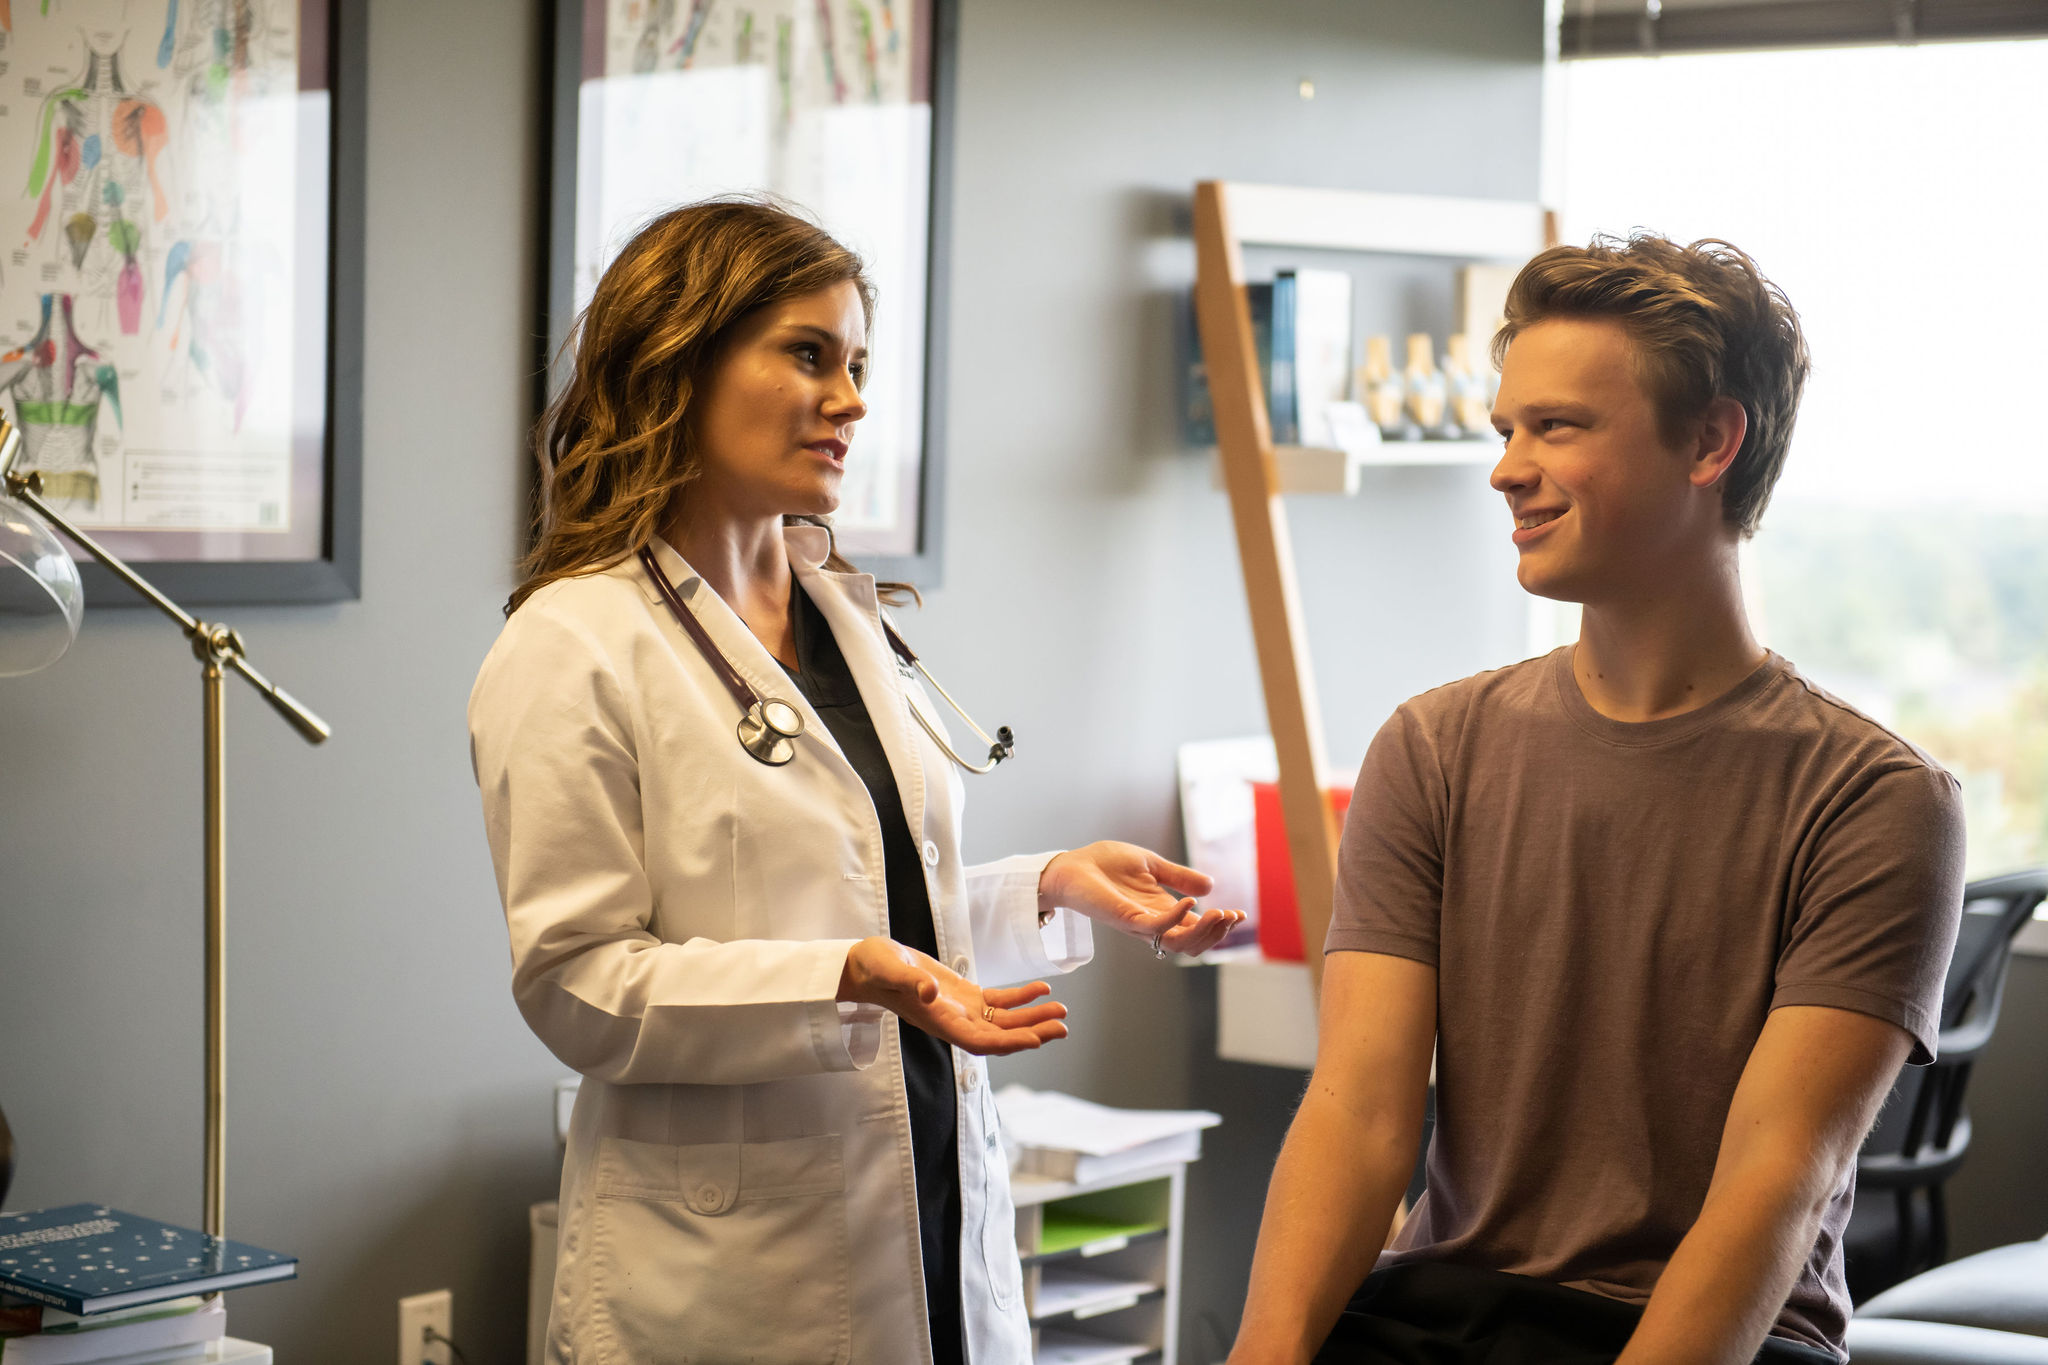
(1379, 387)
(1471, 404)
(1428, 407)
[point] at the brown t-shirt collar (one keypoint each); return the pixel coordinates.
(1642, 733)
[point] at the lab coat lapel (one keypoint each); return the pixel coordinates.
(749, 657)
(851, 607)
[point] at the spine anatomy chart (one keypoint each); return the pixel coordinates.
(155, 146)
(102, 146)
(58, 384)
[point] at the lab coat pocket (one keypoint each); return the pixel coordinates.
(998, 1213)
(726, 1251)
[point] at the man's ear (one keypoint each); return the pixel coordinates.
(1721, 432)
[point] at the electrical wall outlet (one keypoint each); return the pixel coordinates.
(418, 1312)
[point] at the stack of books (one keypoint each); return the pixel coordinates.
(1059, 1137)
(1301, 334)
(86, 1283)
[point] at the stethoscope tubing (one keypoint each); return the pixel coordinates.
(769, 726)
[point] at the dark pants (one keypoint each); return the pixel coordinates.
(1427, 1313)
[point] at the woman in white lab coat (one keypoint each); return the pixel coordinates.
(774, 976)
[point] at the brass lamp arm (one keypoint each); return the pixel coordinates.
(219, 649)
(210, 642)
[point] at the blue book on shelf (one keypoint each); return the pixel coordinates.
(1282, 410)
(87, 1258)
(1199, 426)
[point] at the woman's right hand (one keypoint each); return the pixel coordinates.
(921, 990)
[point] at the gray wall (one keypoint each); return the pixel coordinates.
(389, 1115)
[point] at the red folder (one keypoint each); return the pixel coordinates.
(1279, 915)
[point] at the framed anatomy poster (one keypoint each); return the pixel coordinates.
(180, 285)
(839, 106)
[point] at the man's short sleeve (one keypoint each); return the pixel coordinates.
(1878, 904)
(1390, 866)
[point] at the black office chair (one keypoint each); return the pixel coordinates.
(1923, 1133)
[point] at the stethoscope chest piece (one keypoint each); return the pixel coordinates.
(769, 729)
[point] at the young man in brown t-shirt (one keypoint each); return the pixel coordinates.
(1671, 916)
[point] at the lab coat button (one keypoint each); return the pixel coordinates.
(931, 854)
(960, 965)
(970, 1079)
(710, 1196)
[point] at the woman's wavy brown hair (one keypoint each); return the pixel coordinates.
(615, 445)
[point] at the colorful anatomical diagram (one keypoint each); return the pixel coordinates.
(168, 43)
(58, 383)
(213, 279)
(208, 324)
(214, 48)
(97, 166)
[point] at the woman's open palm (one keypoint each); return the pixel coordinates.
(1138, 892)
(921, 990)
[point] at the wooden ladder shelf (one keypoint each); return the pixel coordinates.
(1227, 215)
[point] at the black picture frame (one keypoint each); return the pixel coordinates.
(336, 575)
(567, 35)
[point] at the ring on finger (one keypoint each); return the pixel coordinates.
(988, 1013)
(1159, 943)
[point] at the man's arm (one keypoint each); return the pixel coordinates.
(1348, 1155)
(1808, 1094)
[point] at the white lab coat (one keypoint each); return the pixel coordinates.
(738, 1180)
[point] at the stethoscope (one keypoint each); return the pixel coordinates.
(769, 726)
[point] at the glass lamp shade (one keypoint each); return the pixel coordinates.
(41, 599)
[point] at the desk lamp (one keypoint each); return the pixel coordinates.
(41, 604)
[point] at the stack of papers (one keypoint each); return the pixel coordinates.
(1060, 1137)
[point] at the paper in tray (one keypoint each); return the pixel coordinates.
(1048, 1119)
(1065, 1229)
(1064, 1289)
(1057, 1346)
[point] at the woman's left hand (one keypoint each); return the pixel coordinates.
(1137, 891)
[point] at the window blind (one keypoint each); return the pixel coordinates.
(1631, 28)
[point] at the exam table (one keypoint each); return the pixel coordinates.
(1987, 1309)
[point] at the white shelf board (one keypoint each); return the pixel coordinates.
(1033, 1189)
(1483, 450)
(1318, 469)
(1414, 224)
(1265, 1013)
(1243, 952)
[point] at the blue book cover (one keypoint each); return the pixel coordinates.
(87, 1258)
(1199, 426)
(1282, 408)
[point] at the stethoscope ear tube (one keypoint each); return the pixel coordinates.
(999, 748)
